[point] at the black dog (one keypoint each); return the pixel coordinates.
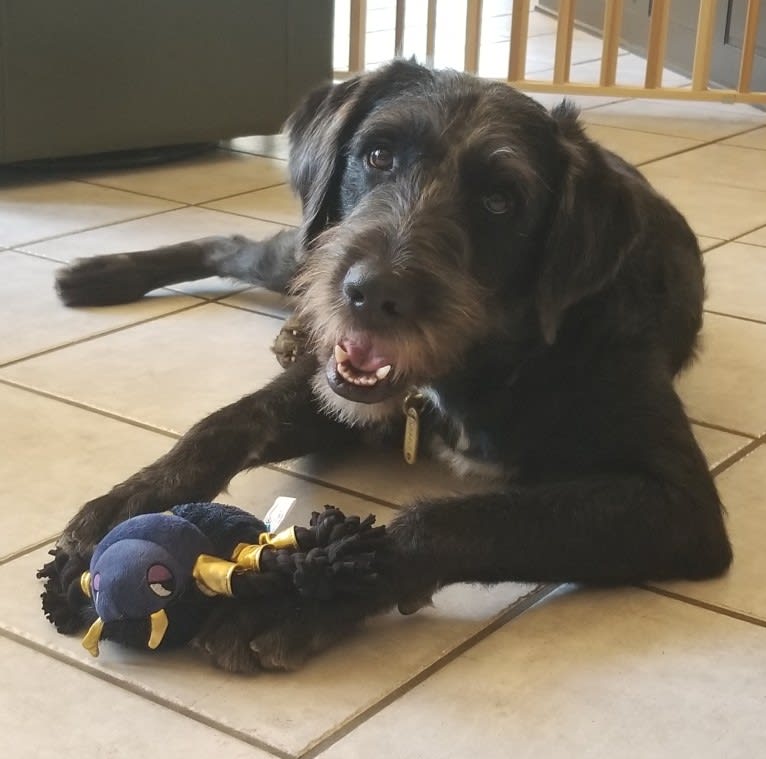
(524, 293)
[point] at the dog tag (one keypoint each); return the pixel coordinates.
(412, 405)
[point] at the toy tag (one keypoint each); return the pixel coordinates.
(278, 512)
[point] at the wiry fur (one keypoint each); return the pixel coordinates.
(534, 288)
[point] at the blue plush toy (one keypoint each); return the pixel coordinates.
(155, 578)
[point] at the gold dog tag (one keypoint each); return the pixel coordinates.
(413, 403)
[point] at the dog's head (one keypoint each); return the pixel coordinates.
(442, 213)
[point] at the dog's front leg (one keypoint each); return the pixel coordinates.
(279, 422)
(609, 529)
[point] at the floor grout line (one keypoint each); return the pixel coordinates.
(18, 246)
(750, 319)
(690, 149)
(516, 610)
(144, 692)
(31, 548)
(175, 436)
(722, 428)
(99, 335)
(720, 610)
(202, 203)
(737, 456)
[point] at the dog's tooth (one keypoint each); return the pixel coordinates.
(382, 373)
(340, 354)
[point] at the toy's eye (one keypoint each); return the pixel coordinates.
(496, 203)
(161, 580)
(95, 583)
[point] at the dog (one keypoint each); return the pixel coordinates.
(475, 277)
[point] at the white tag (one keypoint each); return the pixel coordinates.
(277, 514)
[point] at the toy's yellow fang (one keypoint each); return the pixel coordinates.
(92, 637)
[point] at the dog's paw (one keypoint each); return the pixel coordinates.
(97, 517)
(100, 281)
(273, 634)
(291, 343)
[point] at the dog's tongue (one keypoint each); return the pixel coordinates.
(362, 353)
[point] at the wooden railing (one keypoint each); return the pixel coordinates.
(656, 43)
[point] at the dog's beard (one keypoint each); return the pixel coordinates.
(367, 372)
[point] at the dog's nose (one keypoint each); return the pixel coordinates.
(376, 294)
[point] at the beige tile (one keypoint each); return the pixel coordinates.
(196, 180)
(637, 147)
(541, 51)
(154, 231)
(631, 70)
(167, 373)
(583, 102)
(723, 386)
(600, 674)
(680, 118)
(56, 457)
(261, 300)
(276, 204)
(270, 146)
(36, 209)
(711, 209)
(742, 589)
(28, 296)
(736, 280)
(754, 139)
(384, 474)
(288, 711)
(718, 165)
(540, 23)
(758, 237)
(718, 445)
(49, 710)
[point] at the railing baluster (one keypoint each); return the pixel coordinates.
(564, 31)
(703, 47)
(401, 9)
(611, 46)
(431, 32)
(472, 36)
(748, 46)
(657, 43)
(517, 62)
(358, 35)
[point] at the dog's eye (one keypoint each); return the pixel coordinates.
(496, 203)
(381, 159)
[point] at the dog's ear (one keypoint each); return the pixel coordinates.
(318, 130)
(596, 219)
(321, 127)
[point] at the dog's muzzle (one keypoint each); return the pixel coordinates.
(362, 369)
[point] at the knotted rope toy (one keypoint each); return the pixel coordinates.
(154, 579)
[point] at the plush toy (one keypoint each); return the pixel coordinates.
(155, 578)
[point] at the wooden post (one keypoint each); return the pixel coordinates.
(472, 36)
(748, 46)
(657, 43)
(703, 47)
(401, 9)
(358, 33)
(517, 62)
(431, 32)
(611, 48)
(564, 31)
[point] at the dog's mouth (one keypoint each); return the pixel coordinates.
(362, 369)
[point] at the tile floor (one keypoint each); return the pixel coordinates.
(513, 670)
